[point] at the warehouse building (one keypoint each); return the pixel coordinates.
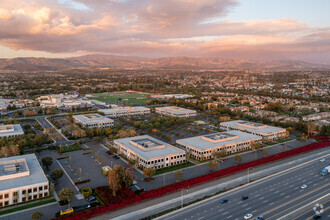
(150, 152)
(268, 133)
(176, 111)
(9, 131)
(201, 147)
(125, 111)
(21, 179)
(94, 121)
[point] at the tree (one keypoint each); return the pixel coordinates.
(120, 177)
(178, 175)
(149, 172)
(310, 127)
(47, 162)
(57, 174)
(36, 215)
(212, 165)
(66, 195)
(265, 151)
(238, 158)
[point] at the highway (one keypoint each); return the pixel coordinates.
(272, 198)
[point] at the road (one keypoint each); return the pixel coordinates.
(47, 125)
(271, 198)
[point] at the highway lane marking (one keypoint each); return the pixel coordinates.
(244, 205)
(271, 203)
(313, 213)
(230, 216)
(282, 194)
(254, 211)
(251, 185)
(283, 204)
(248, 208)
(265, 201)
(261, 198)
(224, 213)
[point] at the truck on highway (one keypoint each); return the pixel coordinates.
(325, 171)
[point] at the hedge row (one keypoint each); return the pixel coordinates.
(132, 198)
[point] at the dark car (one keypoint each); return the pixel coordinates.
(115, 157)
(224, 201)
(316, 216)
(260, 218)
(109, 153)
(91, 199)
(244, 197)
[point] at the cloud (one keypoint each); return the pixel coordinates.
(153, 28)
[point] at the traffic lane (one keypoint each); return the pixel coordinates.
(222, 210)
(310, 213)
(264, 199)
(261, 186)
(44, 123)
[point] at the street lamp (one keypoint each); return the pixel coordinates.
(182, 196)
(248, 174)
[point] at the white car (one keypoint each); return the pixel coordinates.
(322, 160)
(304, 186)
(248, 216)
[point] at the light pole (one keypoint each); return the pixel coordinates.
(182, 197)
(248, 174)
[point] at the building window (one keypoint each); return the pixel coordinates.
(15, 200)
(24, 191)
(46, 193)
(46, 187)
(40, 188)
(30, 197)
(1, 196)
(7, 203)
(29, 190)
(1, 204)
(15, 193)
(35, 189)
(23, 199)
(6, 196)
(40, 195)
(35, 196)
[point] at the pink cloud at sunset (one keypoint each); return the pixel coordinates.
(152, 28)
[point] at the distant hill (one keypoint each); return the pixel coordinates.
(100, 61)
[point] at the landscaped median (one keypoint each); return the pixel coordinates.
(131, 198)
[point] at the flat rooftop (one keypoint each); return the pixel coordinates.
(204, 142)
(28, 172)
(148, 147)
(12, 129)
(176, 110)
(92, 118)
(251, 126)
(123, 109)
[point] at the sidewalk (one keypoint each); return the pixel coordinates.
(146, 208)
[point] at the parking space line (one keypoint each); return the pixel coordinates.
(68, 176)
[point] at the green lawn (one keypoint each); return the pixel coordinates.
(172, 168)
(27, 206)
(281, 141)
(126, 98)
(69, 148)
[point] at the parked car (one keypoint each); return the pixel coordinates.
(260, 218)
(316, 216)
(248, 216)
(224, 201)
(322, 160)
(244, 197)
(115, 157)
(91, 199)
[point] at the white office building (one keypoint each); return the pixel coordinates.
(268, 133)
(93, 121)
(125, 111)
(150, 152)
(176, 111)
(201, 147)
(12, 130)
(21, 179)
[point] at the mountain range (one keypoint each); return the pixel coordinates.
(101, 62)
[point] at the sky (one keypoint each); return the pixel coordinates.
(244, 29)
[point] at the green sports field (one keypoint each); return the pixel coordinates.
(126, 98)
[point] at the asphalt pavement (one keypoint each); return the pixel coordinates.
(272, 198)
